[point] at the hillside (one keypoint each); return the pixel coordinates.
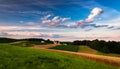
(87, 49)
(14, 57)
(66, 47)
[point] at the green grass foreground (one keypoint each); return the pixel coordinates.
(67, 48)
(14, 57)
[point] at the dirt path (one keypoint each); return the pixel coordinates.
(115, 61)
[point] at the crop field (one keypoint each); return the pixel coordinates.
(67, 48)
(15, 57)
(86, 49)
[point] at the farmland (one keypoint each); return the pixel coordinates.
(59, 34)
(67, 48)
(14, 57)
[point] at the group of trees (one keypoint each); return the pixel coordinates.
(101, 45)
(9, 40)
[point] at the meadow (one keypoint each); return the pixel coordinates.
(27, 43)
(87, 49)
(72, 48)
(15, 57)
(83, 49)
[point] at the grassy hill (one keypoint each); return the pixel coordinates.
(15, 57)
(27, 43)
(67, 48)
(87, 49)
(83, 49)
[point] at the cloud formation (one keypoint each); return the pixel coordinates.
(29, 34)
(4, 34)
(87, 22)
(95, 12)
(7, 28)
(57, 21)
(54, 21)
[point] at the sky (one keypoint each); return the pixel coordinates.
(64, 20)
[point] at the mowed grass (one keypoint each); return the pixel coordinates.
(14, 57)
(86, 49)
(67, 48)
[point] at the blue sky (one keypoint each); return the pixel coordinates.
(64, 20)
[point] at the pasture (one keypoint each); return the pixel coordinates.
(15, 57)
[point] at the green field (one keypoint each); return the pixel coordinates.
(27, 43)
(67, 48)
(83, 49)
(14, 57)
(87, 49)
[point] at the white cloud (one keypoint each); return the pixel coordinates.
(46, 17)
(95, 12)
(65, 19)
(112, 23)
(5, 28)
(51, 22)
(30, 35)
(54, 21)
(72, 35)
(34, 24)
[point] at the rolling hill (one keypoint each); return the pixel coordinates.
(15, 57)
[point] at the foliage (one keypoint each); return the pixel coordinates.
(7, 40)
(26, 42)
(101, 45)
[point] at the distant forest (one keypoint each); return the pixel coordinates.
(10, 40)
(100, 45)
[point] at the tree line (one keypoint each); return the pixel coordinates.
(10, 40)
(100, 45)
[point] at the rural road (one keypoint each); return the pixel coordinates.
(115, 61)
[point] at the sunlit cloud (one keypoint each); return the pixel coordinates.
(8, 28)
(57, 21)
